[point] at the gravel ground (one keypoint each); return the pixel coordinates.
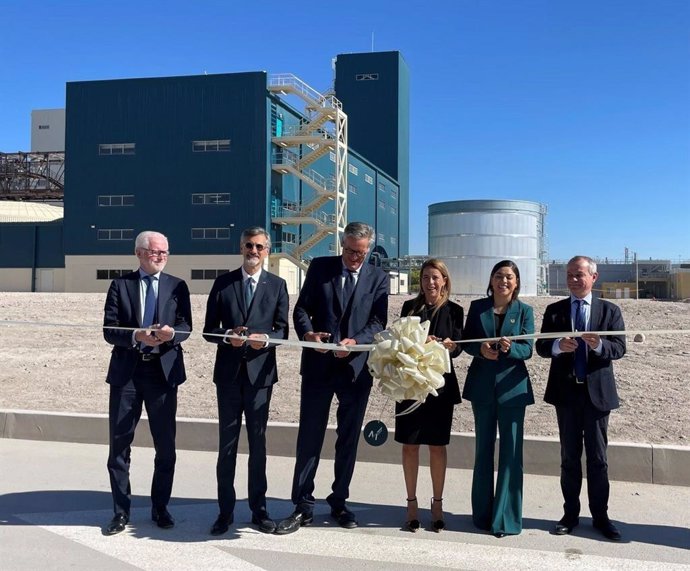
(61, 367)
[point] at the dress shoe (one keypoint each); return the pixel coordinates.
(412, 524)
(566, 526)
(117, 524)
(222, 524)
(292, 523)
(608, 530)
(437, 525)
(162, 518)
(344, 517)
(264, 521)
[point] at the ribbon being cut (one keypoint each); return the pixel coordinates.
(406, 366)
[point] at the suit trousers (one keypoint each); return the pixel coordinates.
(315, 403)
(498, 511)
(577, 423)
(148, 387)
(235, 397)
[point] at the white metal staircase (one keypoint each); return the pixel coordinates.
(324, 130)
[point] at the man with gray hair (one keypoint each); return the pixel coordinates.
(252, 303)
(343, 300)
(146, 367)
(582, 387)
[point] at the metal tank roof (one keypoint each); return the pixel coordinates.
(483, 206)
(17, 211)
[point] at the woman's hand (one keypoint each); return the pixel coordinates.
(504, 345)
(488, 351)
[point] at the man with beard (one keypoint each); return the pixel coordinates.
(252, 303)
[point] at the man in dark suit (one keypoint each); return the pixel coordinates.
(582, 387)
(253, 303)
(343, 300)
(146, 367)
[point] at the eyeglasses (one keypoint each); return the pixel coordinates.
(251, 245)
(355, 253)
(156, 253)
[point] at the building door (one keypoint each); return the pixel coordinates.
(44, 280)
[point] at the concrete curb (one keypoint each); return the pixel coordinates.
(645, 463)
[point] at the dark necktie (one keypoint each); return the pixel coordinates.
(581, 351)
(149, 304)
(248, 292)
(149, 317)
(348, 287)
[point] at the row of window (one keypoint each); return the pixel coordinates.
(209, 146)
(197, 198)
(195, 274)
(118, 234)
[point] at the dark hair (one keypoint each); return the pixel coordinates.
(420, 300)
(505, 264)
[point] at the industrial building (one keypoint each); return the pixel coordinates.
(470, 236)
(200, 158)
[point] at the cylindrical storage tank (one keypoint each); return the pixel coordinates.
(470, 236)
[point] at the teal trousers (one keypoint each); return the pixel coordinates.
(499, 510)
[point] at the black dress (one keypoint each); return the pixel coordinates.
(431, 422)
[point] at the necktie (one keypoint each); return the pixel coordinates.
(149, 304)
(248, 292)
(348, 287)
(581, 351)
(149, 310)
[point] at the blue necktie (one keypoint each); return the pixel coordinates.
(581, 351)
(149, 304)
(248, 293)
(348, 288)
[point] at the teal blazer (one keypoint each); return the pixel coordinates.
(505, 381)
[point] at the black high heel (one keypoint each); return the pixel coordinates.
(439, 524)
(412, 525)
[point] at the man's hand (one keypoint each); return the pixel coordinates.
(567, 344)
(344, 343)
(317, 337)
(257, 340)
(592, 340)
(239, 330)
(154, 335)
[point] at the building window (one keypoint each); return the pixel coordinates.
(332, 155)
(116, 234)
(211, 146)
(41, 127)
(394, 240)
(382, 238)
(394, 193)
(393, 210)
(368, 179)
(367, 77)
(211, 198)
(382, 204)
(381, 187)
(116, 149)
(207, 274)
(210, 233)
(111, 274)
(353, 169)
(289, 238)
(116, 200)
(352, 188)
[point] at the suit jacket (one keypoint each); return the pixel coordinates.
(446, 323)
(601, 385)
(123, 308)
(319, 308)
(505, 381)
(225, 309)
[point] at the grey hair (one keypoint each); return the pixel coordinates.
(358, 230)
(255, 231)
(592, 264)
(143, 239)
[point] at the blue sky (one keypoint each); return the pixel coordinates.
(581, 105)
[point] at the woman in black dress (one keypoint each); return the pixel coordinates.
(430, 423)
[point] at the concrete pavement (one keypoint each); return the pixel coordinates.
(55, 500)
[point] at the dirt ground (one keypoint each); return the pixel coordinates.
(57, 362)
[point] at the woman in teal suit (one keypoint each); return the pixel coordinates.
(499, 388)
